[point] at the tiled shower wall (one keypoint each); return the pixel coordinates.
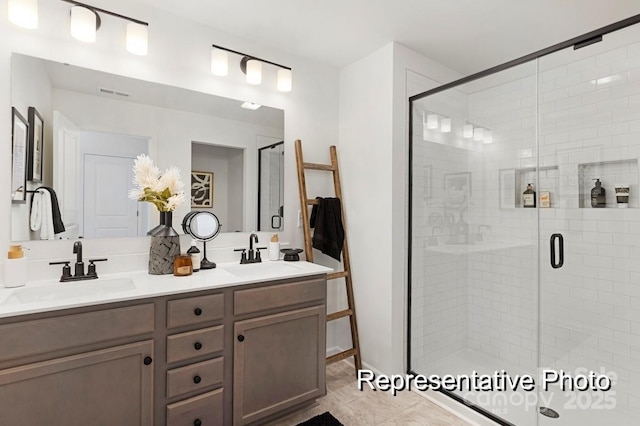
(584, 108)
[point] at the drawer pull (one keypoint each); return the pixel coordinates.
(241, 338)
(197, 422)
(197, 312)
(197, 379)
(148, 360)
(197, 346)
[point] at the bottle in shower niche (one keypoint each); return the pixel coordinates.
(529, 197)
(598, 195)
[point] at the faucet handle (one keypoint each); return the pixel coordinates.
(258, 258)
(243, 258)
(91, 270)
(66, 269)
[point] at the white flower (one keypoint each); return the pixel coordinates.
(175, 201)
(165, 191)
(171, 179)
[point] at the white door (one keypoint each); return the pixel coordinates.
(106, 162)
(108, 211)
(65, 171)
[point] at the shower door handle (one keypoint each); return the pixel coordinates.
(555, 264)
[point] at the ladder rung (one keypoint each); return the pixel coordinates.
(339, 314)
(316, 166)
(340, 356)
(312, 201)
(336, 275)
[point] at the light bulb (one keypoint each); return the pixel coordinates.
(254, 71)
(478, 133)
(137, 38)
(488, 137)
(83, 24)
(432, 121)
(445, 125)
(219, 62)
(284, 80)
(467, 131)
(24, 13)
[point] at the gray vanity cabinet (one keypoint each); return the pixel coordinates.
(106, 387)
(278, 358)
(93, 367)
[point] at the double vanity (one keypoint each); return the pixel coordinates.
(236, 345)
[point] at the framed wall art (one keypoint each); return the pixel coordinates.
(19, 148)
(201, 189)
(35, 146)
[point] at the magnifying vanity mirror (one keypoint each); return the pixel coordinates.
(203, 226)
(96, 123)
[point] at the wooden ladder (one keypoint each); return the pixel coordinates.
(305, 202)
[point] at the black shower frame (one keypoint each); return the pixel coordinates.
(273, 145)
(579, 42)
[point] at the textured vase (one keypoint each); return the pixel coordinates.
(165, 246)
(163, 221)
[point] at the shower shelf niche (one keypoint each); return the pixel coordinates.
(609, 173)
(513, 182)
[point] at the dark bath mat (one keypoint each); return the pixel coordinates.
(324, 419)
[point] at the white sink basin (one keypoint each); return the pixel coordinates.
(71, 290)
(267, 269)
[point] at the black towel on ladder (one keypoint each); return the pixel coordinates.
(328, 233)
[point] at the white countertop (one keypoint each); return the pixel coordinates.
(52, 295)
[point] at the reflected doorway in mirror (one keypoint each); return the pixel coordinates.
(202, 189)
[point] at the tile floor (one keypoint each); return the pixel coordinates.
(353, 407)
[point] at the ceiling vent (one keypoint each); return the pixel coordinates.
(112, 92)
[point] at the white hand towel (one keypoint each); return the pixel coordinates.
(41, 215)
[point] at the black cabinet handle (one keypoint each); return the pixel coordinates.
(555, 264)
(197, 346)
(240, 338)
(148, 360)
(197, 379)
(197, 422)
(197, 312)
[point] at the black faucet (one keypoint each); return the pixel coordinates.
(79, 266)
(77, 250)
(252, 238)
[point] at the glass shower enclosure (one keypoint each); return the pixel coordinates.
(525, 233)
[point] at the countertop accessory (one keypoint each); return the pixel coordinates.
(182, 265)
(194, 252)
(274, 248)
(291, 255)
(203, 226)
(165, 246)
(15, 267)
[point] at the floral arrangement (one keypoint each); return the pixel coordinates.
(164, 190)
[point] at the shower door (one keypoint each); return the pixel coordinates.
(589, 103)
(474, 261)
(519, 263)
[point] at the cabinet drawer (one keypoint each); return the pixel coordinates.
(51, 334)
(277, 296)
(194, 377)
(194, 343)
(206, 407)
(194, 310)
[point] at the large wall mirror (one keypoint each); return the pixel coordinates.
(95, 124)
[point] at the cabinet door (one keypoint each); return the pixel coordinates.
(112, 386)
(279, 362)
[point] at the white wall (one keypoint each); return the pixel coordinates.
(373, 154)
(179, 55)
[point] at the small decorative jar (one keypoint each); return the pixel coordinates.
(182, 265)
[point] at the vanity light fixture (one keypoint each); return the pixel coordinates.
(467, 131)
(445, 125)
(251, 66)
(488, 137)
(432, 121)
(23, 13)
(250, 105)
(478, 133)
(85, 22)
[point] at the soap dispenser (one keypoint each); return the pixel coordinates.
(529, 197)
(598, 195)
